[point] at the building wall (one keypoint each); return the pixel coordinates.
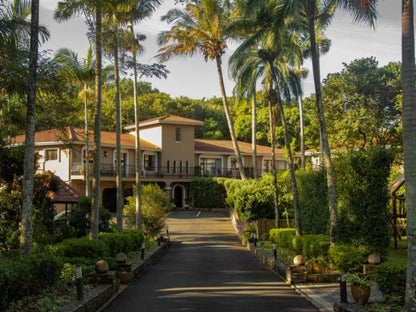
(59, 166)
(178, 151)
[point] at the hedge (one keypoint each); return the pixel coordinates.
(347, 258)
(282, 237)
(312, 245)
(27, 276)
(391, 279)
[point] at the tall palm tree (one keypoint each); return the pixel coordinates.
(82, 73)
(202, 27)
(246, 70)
(409, 142)
(28, 169)
(321, 12)
(65, 10)
(135, 13)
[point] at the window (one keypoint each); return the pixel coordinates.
(51, 154)
(178, 135)
(187, 167)
(149, 162)
(168, 166)
(180, 166)
(174, 166)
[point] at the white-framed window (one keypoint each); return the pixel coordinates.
(51, 154)
(210, 166)
(233, 164)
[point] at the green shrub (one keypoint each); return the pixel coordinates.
(362, 185)
(282, 237)
(249, 230)
(155, 205)
(122, 242)
(347, 258)
(313, 201)
(391, 279)
(84, 247)
(26, 276)
(312, 245)
(208, 193)
(254, 200)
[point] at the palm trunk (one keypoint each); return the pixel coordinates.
(253, 133)
(136, 121)
(29, 160)
(95, 204)
(87, 146)
(296, 209)
(302, 133)
(119, 183)
(229, 119)
(409, 142)
(272, 122)
(332, 197)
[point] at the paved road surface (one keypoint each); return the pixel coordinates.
(207, 269)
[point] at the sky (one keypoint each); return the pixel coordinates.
(197, 79)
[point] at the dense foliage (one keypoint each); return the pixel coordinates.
(208, 193)
(391, 280)
(362, 184)
(155, 205)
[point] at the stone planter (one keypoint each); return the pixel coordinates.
(124, 277)
(360, 294)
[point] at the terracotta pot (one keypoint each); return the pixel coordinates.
(124, 277)
(360, 294)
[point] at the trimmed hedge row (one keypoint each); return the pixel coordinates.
(27, 276)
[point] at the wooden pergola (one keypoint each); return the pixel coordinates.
(398, 219)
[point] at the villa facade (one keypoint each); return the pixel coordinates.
(170, 156)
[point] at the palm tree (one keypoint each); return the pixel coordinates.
(66, 9)
(316, 13)
(246, 70)
(28, 169)
(83, 73)
(138, 11)
(409, 141)
(202, 27)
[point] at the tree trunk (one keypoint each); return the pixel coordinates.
(136, 121)
(29, 160)
(253, 134)
(302, 133)
(119, 177)
(272, 122)
(229, 119)
(87, 146)
(332, 197)
(296, 209)
(409, 143)
(95, 204)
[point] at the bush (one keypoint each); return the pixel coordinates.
(282, 237)
(312, 245)
(313, 201)
(254, 200)
(26, 276)
(122, 242)
(208, 193)
(83, 247)
(391, 279)
(155, 205)
(347, 258)
(363, 197)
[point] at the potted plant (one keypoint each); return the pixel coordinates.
(360, 287)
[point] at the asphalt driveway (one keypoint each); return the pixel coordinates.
(207, 269)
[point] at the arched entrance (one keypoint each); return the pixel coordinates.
(179, 196)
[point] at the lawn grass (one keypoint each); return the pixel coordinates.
(399, 255)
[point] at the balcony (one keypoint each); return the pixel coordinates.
(164, 172)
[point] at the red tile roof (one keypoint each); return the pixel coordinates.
(226, 147)
(168, 119)
(65, 193)
(70, 134)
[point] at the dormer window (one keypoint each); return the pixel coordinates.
(178, 134)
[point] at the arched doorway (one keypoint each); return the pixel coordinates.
(179, 196)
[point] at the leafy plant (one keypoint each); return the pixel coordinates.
(356, 279)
